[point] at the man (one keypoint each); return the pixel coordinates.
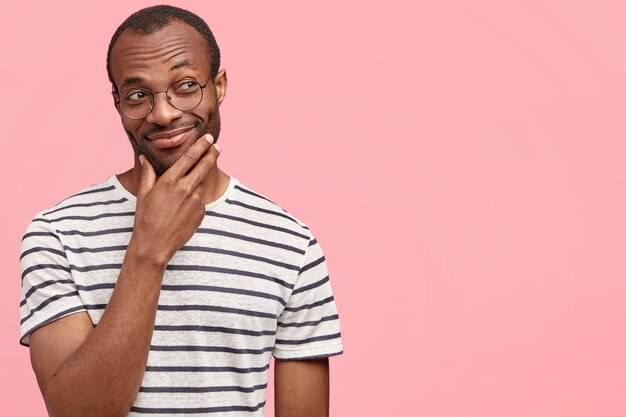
(165, 290)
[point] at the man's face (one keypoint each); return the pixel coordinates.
(154, 62)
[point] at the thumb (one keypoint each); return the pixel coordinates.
(148, 177)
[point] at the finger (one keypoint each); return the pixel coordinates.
(148, 177)
(191, 156)
(204, 165)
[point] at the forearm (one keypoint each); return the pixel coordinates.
(102, 378)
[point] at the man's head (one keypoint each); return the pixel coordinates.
(149, 53)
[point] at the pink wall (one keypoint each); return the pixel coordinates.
(461, 162)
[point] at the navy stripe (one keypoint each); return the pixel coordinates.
(50, 320)
(304, 358)
(41, 219)
(167, 287)
(94, 267)
(106, 285)
(217, 329)
(311, 286)
(245, 190)
(197, 410)
(96, 203)
(45, 303)
(95, 306)
(253, 223)
(228, 271)
(96, 250)
(191, 249)
(199, 230)
(224, 290)
(42, 285)
(309, 323)
(97, 232)
(97, 190)
(312, 242)
(207, 369)
(203, 389)
(250, 239)
(307, 306)
(40, 249)
(188, 348)
(262, 210)
(238, 255)
(44, 266)
(196, 307)
(96, 217)
(308, 340)
(31, 234)
(311, 265)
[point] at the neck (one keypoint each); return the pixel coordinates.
(212, 186)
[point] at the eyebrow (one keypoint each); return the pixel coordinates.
(182, 64)
(131, 80)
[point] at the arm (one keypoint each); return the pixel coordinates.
(86, 371)
(301, 388)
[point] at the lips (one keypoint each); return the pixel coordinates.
(171, 138)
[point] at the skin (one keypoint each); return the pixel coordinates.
(84, 370)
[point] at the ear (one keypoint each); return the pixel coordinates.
(221, 83)
(116, 101)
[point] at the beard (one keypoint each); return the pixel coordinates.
(161, 164)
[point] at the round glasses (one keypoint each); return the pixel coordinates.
(137, 103)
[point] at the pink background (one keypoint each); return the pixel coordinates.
(462, 164)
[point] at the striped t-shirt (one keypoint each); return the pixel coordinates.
(252, 282)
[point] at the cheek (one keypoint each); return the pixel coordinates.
(209, 103)
(132, 126)
(204, 111)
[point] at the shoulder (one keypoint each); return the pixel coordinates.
(96, 194)
(261, 207)
(77, 203)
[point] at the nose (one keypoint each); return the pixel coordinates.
(162, 110)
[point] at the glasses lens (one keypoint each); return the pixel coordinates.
(136, 103)
(185, 94)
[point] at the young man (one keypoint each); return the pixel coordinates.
(165, 289)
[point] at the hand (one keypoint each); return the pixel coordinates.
(170, 209)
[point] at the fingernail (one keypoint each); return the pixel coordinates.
(141, 159)
(218, 148)
(209, 138)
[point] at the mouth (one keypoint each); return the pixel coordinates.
(171, 138)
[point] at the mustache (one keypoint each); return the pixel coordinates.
(160, 129)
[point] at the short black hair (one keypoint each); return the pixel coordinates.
(152, 19)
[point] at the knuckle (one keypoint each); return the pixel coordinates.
(196, 199)
(169, 180)
(204, 165)
(184, 189)
(190, 156)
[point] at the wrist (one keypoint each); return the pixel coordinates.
(145, 256)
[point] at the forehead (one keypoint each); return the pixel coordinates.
(155, 56)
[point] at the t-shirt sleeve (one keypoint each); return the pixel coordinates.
(309, 327)
(48, 290)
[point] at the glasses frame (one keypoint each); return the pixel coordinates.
(117, 96)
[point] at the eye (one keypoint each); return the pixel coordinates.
(136, 96)
(187, 86)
